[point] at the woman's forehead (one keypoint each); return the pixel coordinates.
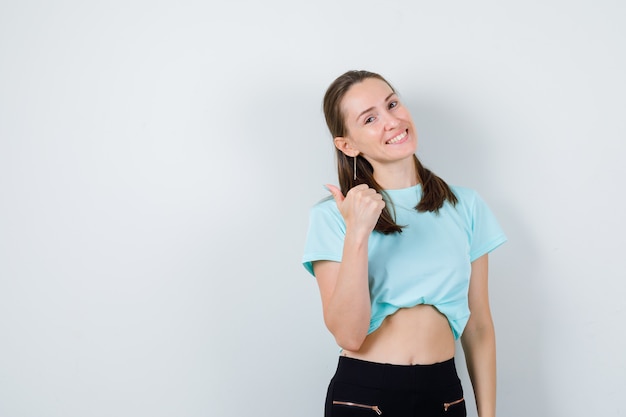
(367, 94)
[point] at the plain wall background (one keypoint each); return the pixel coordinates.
(158, 160)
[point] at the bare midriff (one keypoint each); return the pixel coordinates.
(416, 335)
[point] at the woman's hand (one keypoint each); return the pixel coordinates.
(360, 208)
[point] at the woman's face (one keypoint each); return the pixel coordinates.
(378, 126)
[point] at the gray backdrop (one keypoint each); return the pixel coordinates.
(158, 160)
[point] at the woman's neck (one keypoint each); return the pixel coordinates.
(402, 174)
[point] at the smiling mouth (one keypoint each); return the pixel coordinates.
(397, 138)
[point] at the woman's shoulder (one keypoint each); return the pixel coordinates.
(464, 194)
(325, 217)
(325, 204)
(326, 207)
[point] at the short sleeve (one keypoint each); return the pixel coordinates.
(325, 235)
(486, 232)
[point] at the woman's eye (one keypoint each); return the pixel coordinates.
(393, 104)
(369, 120)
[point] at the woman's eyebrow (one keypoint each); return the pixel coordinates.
(372, 108)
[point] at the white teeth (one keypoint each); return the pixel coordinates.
(397, 138)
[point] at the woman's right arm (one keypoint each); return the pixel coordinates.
(344, 285)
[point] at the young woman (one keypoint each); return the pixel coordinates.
(400, 258)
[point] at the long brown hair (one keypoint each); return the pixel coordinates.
(435, 190)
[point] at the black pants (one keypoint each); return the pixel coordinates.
(361, 388)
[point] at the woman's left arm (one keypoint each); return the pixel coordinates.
(479, 340)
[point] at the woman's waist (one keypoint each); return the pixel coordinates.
(416, 335)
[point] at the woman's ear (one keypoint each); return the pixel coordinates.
(343, 144)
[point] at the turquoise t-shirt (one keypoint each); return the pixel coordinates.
(428, 263)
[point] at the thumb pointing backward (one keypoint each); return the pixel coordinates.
(336, 192)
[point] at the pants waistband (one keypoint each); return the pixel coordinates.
(390, 376)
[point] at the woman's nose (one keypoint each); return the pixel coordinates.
(391, 122)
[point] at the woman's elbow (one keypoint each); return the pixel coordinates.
(477, 333)
(349, 338)
(352, 343)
